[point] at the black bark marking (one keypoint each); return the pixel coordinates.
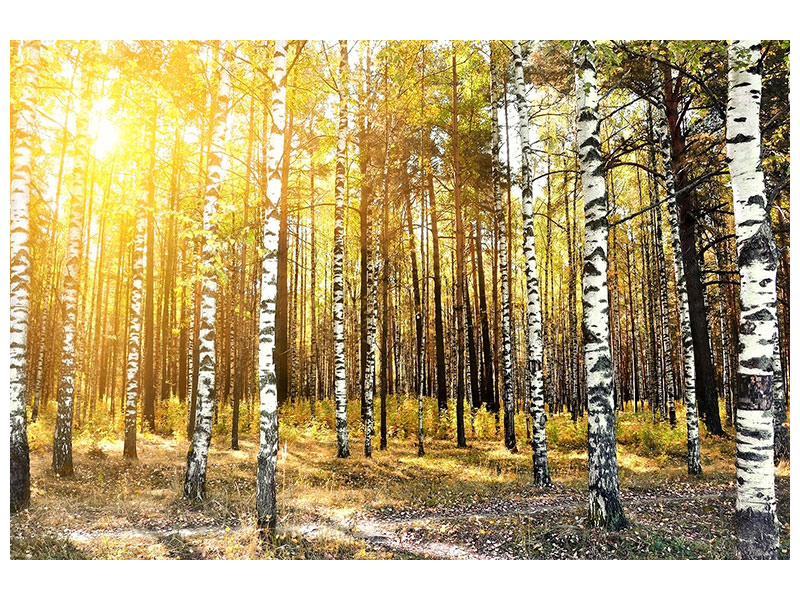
(740, 139)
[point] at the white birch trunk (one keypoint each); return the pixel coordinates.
(197, 458)
(134, 336)
(505, 293)
(690, 396)
(339, 365)
(605, 508)
(267, 380)
(62, 437)
(372, 311)
(541, 470)
(20, 263)
(755, 469)
(421, 371)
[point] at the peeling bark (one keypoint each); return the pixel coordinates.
(132, 387)
(541, 469)
(20, 286)
(339, 358)
(267, 376)
(62, 437)
(605, 507)
(194, 487)
(755, 470)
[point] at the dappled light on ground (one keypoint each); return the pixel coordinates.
(477, 502)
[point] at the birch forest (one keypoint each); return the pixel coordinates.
(507, 299)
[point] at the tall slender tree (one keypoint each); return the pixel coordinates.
(148, 355)
(706, 391)
(605, 507)
(315, 355)
(20, 261)
(194, 487)
(503, 256)
(364, 149)
(132, 385)
(541, 470)
(70, 277)
(689, 394)
(438, 322)
(461, 439)
(340, 364)
(755, 470)
(419, 335)
(267, 379)
(369, 315)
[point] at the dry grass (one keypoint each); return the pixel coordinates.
(117, 509)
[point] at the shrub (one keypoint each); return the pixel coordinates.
(172, 419)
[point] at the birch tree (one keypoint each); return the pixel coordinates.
(70, 277)
(372, 328)
(505, 292)
(267, 378)
(461, 440)
(197, 457)
(605, 507)
(132, 388)
(541, 470)
(385, 265)
(339, 369)
(371, 311)
(755, 470)
(420, 320)
(20, 262)
(689, 395)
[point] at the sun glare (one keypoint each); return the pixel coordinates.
(106, 132)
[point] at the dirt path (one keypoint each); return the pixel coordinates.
(395, 532)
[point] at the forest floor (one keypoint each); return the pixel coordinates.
(477, 502)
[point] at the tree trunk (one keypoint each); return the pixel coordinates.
(419, 332)
(505, 270)
(340, 372)
(315, 357)
(441, 376)
(385, 265)
(20, 286)
(62, 437)
(541, 470)
(707, 400)
(689, 400)
(240, 365)
(197, 457)
(132, 383)
(267, 378)
(282, 307)
(605, 508)
(369, 317)
(364, 239)
(461, 440)
(148, 408)
(472, 350)
(487, 383)
(666, 336)
(755, 470)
